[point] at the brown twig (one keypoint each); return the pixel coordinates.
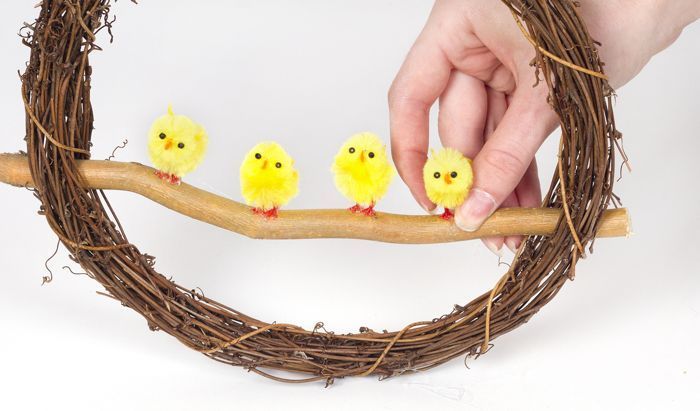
(300, 224)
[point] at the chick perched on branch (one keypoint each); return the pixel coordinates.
(268, 179)
(448, 178)
(176, 146)
(363, 172)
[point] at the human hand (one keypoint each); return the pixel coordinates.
(472, 57)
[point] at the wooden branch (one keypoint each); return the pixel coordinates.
(299, 224)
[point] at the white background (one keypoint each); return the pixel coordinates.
(623, 335)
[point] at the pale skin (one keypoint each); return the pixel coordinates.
(473, 61)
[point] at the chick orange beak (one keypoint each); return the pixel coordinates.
(448, 180)
(264, 166)
(168, 144)
(362, 156)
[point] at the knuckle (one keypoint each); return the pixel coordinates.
(390, 95)
(398, 153)
(393, 95)
(396, 156)
(404, 102)
(504, 162)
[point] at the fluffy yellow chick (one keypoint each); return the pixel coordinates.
(448, 178)
(176, 146)
(363, 172)
(268, 178)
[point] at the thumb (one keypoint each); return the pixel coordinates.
(502, 162)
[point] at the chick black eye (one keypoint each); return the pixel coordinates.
(436, 175)
(352, 150)
(162, 136)
(181, 145)
(278, 165)
(258, 156)
(453, 174)
(371, 154)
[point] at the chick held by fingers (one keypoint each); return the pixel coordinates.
(448, 177)
(176, 146)
(268, 179)
(363, 172)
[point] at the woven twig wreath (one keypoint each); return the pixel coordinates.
(56, 92)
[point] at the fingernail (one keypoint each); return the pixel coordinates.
(513, 244)
(491, 245)
(431, 211)
(478, 207)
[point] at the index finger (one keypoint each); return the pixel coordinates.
(420, 81)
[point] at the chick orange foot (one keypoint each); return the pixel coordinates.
(271, 213)
(369, 211)
(357, 209)
(448, 214)
(170, 178)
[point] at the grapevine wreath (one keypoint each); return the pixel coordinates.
(57, 166)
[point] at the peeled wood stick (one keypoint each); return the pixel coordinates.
(299, 224)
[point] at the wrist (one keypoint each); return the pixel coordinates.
(676, 14)
(662, 21)
(689, 11)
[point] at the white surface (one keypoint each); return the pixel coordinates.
(623, 335)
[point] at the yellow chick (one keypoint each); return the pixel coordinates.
(268, 179)
(363, 172)
(176, 146)
(448, 177)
